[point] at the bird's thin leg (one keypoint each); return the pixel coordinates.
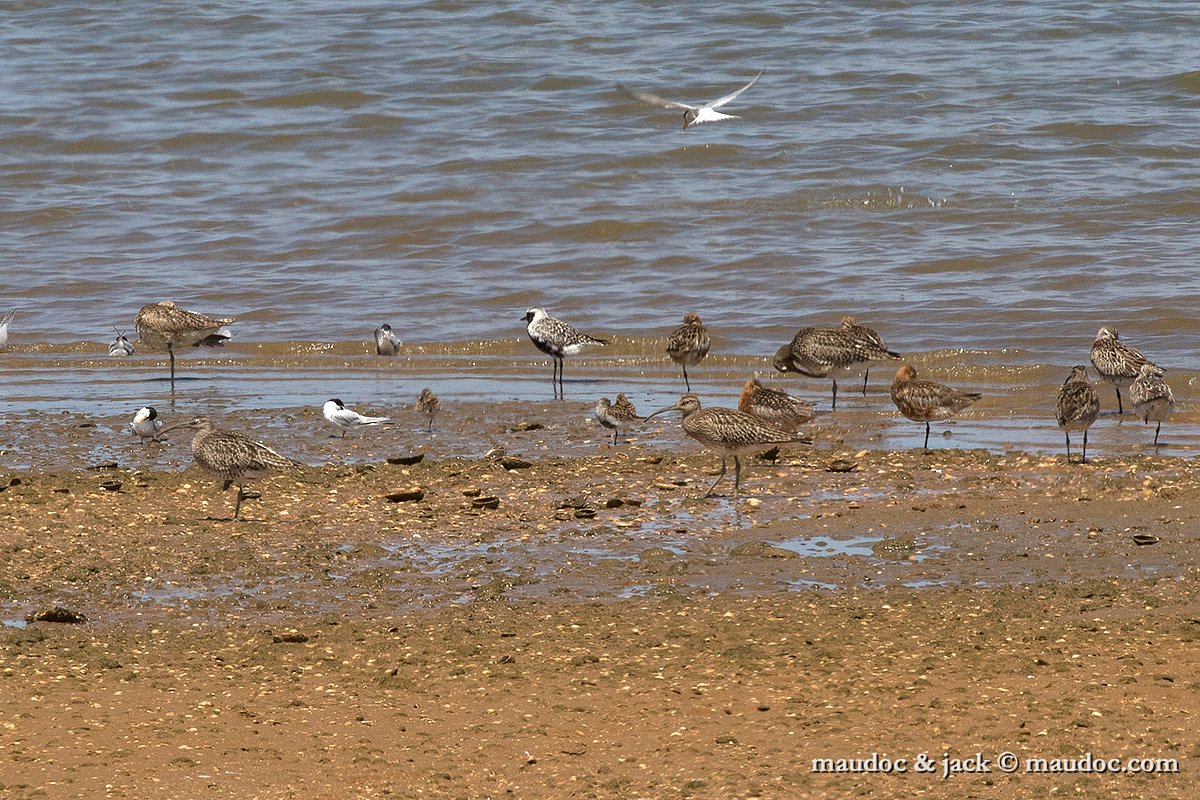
(1120, 409)
(615, 432)
(718, 480)
(1157, 428)
(866, 375)
(926, 436)
(1084, 459)
(237, 508)
(171, 354)
(686, 382)
(737, 475)
(1069, 446)
(834, 395)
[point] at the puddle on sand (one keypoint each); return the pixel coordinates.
(14, 623)
(880, 548)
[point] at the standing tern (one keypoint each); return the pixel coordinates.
(347, 419)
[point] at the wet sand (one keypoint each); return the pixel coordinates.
(604, 631)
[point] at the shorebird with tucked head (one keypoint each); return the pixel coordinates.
(616, 416)
(146, 424)
(346, 419)
(926, 401)
(774, 406)
(166, 325)
(1151, 397)
(1116, 362)
(120, 347)
(428, 406)
(692, 115)
(688, 344)
(851, 326)
(1077, 407)
(4, 321)
(828, 353)
(557, 339)
(728, 432)
(387, 343)
(232, 457)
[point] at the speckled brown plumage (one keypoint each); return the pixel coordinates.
(774, 406)
(428, 404)
(166, 326)
(926, 401)
(616, 416)
(851, 326)
(1116, 362)
(828, 353)
(688, 344)
(1152, 398)
(1077, 407)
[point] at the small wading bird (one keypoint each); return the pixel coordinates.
(166, 325)
(1116, 362)
(926, 401)
(232, 457)
(347, 419)
(688, 344)
(1077, 407)
(146, 424)
(692, 115)
(120, 346)
(428, 405)
(729, 432)
(387, 343)
(557, 339)
(4, 321)
(616, 416)
(1151, 397)
(828, 353)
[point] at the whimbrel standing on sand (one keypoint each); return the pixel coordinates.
(428, 405)
(1077, 407)
(774, 406)
(851, 326)
(1117, 362)
(166, 325)
(4, 320)
(688, 344)
(387, 343)
(616, 416)
(557, 339)
(232, 456)
(1151, 397)
(827, 353)
(728, 432)
(926, 401)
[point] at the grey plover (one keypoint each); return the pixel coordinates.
(692, 115)
(728, 432)
(851, 326)
(387, 343)
(926, 401)
(557, 339)
(146, 424)
(1077, 407)
(1116, 362)
(166, 325)
(828, 353)
(1151, 397)
(346, 419)
(121, 346)
(688, 344)
(616, 416)
(774, 406)
(428, 405)
(232, 457)
(4, 322)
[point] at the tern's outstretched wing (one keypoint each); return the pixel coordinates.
(730, 97)
(655, 100)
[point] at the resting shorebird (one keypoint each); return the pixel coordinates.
(557, 339)
(827, 353)
(4, 320)
(232, 457)
(1077, 407)
(688, 344)
(692, 115)
(167, 325)
(428, 404)
(347, 419)
(851, 326)
(1117, 362)
(146, 424)
(616, 416)
(926, 401)
(387, 343)
(774, 406)
(1151, 397)
(728, 432)
(120, 346)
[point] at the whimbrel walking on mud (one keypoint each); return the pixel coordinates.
(774, 406)
(728, 432)
(926, 401)
(688, 344)
(1077, 407)
(616, 416)
(232, 457)
(827, 353)
(428, 405)
(557, 339)
(166, 325)
(1117, 362)
(1151, 397)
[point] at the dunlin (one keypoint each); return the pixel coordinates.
(688, 344)
(926, 401)
(1077, 407)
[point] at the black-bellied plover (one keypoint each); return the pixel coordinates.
(692, 115)
(926, 401)
(851, 326)
(728, 432)
(557, 339)
(428, 405)
(232, 457)
(166, 325)
(1077, 407)
(1116, 362)
(828, 353)
(616, 416)
(387, 343)
(346, 419)
(688, 344)
(4, 322)
(1151, 397)
(774, 406)
(121, 346)
(146, 424)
